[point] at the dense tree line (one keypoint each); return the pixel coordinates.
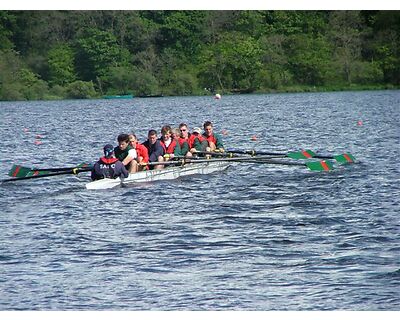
(82, 54)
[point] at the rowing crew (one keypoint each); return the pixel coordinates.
(130, 156)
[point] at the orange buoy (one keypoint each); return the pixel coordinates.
(254, 138)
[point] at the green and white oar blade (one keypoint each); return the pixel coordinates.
(344, 158)
(324, 165)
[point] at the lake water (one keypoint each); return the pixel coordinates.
(254, 237)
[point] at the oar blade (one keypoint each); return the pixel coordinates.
(344, 158)
(324, 165)
(17, 171)
(300, 155)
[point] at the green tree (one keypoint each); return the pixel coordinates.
(33, 88)
(345, 33)
(61, 65)
(7, 25)
(10, 63)
(274, 73)
(81, 90)
(97, 51)
(386, 44)
(231, 64)
(309, 59)
(145, 84)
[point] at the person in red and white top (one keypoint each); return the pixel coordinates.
(171, 146)
(142, 153)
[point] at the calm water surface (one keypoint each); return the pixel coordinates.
(254, 237)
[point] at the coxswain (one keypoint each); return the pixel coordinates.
(214, 139)
(125, 153)
(142, 153)
(154, 148)
(108, 166)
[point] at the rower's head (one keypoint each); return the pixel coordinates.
(123, 141)
(108, 150)
(184, 132)
(133, 140)
(196, 131)
(176, 133)
(166, 132)
(208, 128)
(152, 136)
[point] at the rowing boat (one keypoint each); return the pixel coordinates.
(168, 173)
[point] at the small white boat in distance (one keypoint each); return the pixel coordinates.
(169, 173)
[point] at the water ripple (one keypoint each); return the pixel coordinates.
(254, 237)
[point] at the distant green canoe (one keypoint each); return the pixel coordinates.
(124, 96)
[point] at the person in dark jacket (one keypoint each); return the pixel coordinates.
(108, 166)
(155, 149)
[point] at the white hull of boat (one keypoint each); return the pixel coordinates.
(168, 173)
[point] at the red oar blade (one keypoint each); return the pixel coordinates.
(324, 165)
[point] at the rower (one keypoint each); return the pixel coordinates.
(183, 139)
(154, 148)
(108, 166)
(171, 146)
(125, 153)
(197, 141)
(142, 153)
(214, 139)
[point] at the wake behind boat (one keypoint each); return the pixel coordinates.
(168, 173)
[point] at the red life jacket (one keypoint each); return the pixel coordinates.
(171, 146)
(142, 152)
(182, 140)
(108, 160)
(211, 139)
(193, 137)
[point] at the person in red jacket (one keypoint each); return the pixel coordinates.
(142, 153)
(197, 141)
(214, 139)
(171, 146)
(108, 166)
(183, 139)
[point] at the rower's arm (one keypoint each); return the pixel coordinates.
(131, 156)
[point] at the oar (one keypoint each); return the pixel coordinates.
(314, 166)
(307, 154)
(324, 165)
(300, 155)
(21, 171)
(232, 154)
(72, 171)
